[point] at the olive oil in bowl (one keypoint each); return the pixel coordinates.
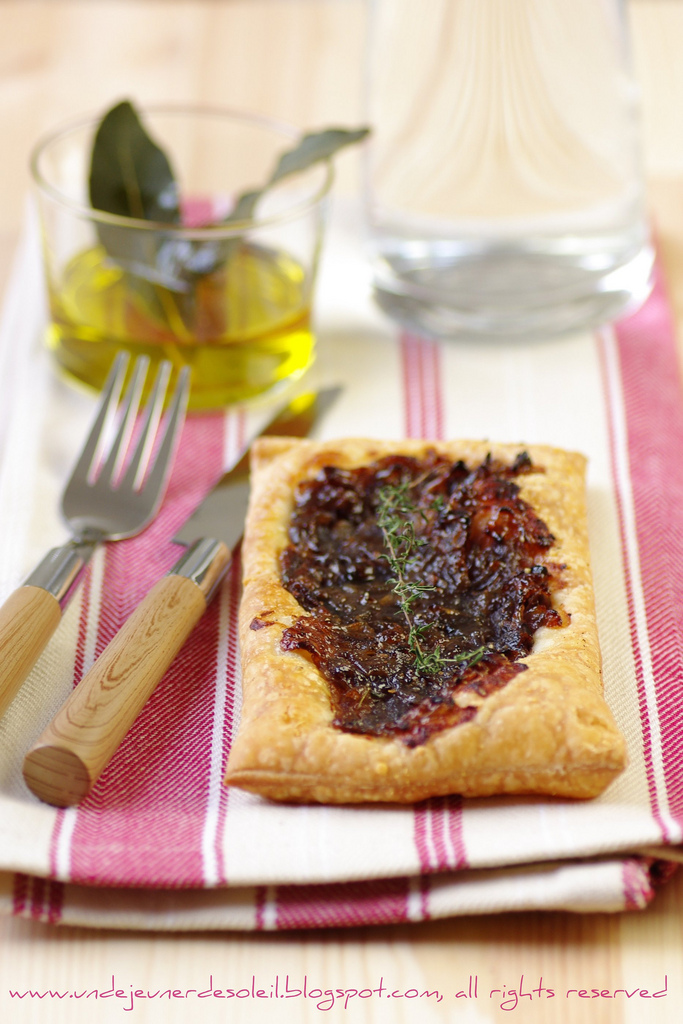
(185, 233)
(243, 329)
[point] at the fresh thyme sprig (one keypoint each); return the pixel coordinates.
(395, 512)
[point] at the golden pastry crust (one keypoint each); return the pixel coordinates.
(548, 731)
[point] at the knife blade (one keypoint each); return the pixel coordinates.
(221, 513)
(72, 752)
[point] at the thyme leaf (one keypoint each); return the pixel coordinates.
(395, 517)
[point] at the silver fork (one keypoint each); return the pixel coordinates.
(112, 494)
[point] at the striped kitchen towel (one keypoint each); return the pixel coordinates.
(160, 843)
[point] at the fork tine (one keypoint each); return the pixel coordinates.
(134, 474)
(128, 412)
(154, 485)
(107, 408)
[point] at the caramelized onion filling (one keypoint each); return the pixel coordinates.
(475, 566)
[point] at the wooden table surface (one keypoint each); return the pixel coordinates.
(301, 60)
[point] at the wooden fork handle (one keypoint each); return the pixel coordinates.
(28, 618)
(77, 745)
(30, 615)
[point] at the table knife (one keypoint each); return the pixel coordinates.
(72, 752)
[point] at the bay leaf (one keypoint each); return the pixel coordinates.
(131, 176)
(311, 149)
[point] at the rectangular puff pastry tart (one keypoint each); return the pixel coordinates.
(418, 619)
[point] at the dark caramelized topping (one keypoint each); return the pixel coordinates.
(412, 646)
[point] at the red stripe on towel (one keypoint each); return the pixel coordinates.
(643, 389)
(19, 894)
(411, 389)
(622, 492)
(438, 834)
(456, 852)
(143, 822)
(260, 897)
(652, 398)
(39, 888)
(342, 905)
(423, 401)
(55, 902)
(638, 890)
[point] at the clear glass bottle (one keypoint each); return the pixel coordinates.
(504, 191)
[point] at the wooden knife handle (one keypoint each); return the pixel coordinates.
(28, 618)
(73, 751)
